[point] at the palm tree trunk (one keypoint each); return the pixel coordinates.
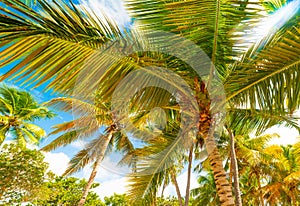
(230, 172)
(187, 192)
(163, 189)
(95, 169)
(293, 199)
(177, 188)
(223, 187)
(237, 191)
(261, 198)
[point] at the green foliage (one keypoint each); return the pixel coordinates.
(206, 194)
(169, 201)
(117, 200)
(24, 179)
(124, 200)
(268, 174)
(65, 191)
(21, 170)
(17, 110)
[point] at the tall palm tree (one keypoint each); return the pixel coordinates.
(18, 110)
(63, 36)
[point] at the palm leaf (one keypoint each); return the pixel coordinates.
(93, 114)
(37, 131)
(247, 120)
(154, 162)
(30, 136)
(57, 30)
(62, 140)
(265, 78)
(3, 131)
(86, 156)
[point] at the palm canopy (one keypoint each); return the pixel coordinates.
(92, 124)
(73, 34)
(17, 110)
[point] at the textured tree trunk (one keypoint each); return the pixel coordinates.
(293, 199)
(163, 189)
(230, 172)
(177, 187)
(237, 191)
(188, 184)
(261, 198)
(223, 187)
(95, 169)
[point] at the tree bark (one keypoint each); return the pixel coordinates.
(293, 199)
(95, 169)
(188, 184)
(223, 187)
(177, 188)
(237, 191)
(230, 172)
(163, 189)
(261, 198)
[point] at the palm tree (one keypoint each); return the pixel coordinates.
(283, 179)
(91, 119)
(63, 36)
(18, 110)
(206, 193)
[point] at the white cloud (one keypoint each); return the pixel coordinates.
(79, 144)
(108, 188)
(287, 135)
(114, 9)
(108, 170)
(58, 162)
(112, 178)
(181, 180)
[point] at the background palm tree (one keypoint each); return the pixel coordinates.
(18, 110)
(206, 193)
(283, 179)
(90, 121)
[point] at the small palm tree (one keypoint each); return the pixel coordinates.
(91, 119)
(18, 110)
(206, 193)
(283, 177)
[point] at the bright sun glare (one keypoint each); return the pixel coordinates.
(275, 21)
(270, 24)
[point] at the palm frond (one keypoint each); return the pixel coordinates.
(92, 114)
(37, 131)
(150, 169)
(266, 77)
(57, 40)
(209, 24)
(87, 155)
(251, 151)
(3, 131)
(30, 136)
(62, 140)
(248, 120)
